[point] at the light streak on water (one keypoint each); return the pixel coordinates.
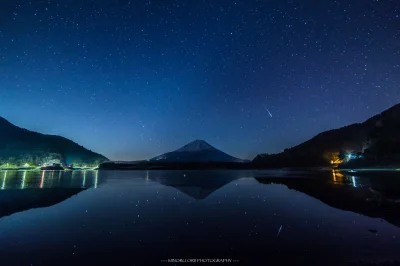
(23, 181)
(84, 179)
(42, 180)
(3, 185)
(96, 180)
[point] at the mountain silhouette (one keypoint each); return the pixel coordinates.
(19, 146)
(196, 151)
(377, 138)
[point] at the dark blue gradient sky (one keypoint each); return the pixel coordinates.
(134, 79)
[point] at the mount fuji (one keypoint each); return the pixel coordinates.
(196, 151)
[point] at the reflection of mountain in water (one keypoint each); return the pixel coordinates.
(375, 200)
(198, 185)
(18, 200)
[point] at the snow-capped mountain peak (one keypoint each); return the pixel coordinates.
(196, 151)
(197, 145)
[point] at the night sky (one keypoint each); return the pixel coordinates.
(132, 80)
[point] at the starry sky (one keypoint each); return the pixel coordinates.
(134, 79)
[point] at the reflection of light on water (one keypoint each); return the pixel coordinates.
(96, 179)
(42, 180)
(23, 181)
(73, 176)
(147, 175)
(51, 179)
(353, 178)
(84, 179)
(337, 177)
(3, 185)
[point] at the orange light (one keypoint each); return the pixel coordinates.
(42, 181)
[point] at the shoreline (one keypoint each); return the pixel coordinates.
(40, 170)
(316, 169)
(370, 169)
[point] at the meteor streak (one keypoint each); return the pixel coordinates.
(268, 111)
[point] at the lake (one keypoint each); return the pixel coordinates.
(275, 217)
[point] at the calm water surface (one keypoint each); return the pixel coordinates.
(147, 218)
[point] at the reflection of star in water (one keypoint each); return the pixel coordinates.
(279, 231)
